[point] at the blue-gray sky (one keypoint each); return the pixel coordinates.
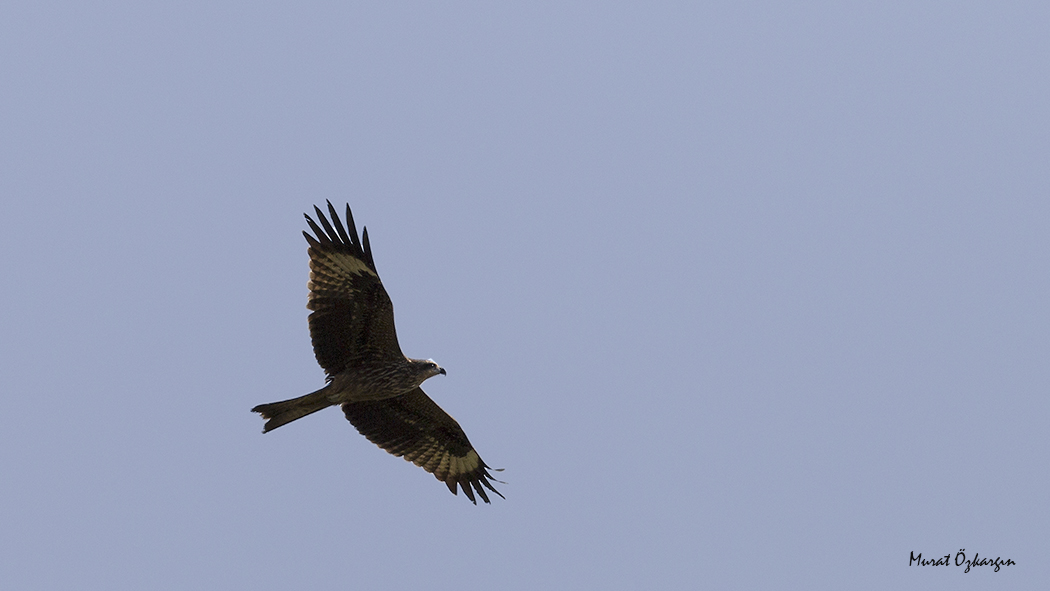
(741, 294)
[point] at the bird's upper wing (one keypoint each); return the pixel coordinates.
(414, 426)
(352, 319)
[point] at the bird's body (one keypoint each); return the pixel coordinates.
(352, 329)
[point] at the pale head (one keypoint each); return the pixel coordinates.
(426, 369)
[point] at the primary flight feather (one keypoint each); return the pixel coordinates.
(352, 329)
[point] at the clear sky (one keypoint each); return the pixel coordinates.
(742, 295)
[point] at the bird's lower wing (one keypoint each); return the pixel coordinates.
(414, 426)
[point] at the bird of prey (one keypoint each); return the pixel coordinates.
(352, 329)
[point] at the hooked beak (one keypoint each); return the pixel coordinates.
(441, 370)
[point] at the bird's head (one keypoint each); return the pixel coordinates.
(427, 368)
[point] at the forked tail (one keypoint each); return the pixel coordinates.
(286, 411)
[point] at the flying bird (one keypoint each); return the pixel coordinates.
(352, 329)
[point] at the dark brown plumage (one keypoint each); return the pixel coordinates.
(352, 329)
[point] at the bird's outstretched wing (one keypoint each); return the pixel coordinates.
(353, 320)
(415, 427)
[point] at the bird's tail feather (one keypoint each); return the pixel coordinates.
(286, 411)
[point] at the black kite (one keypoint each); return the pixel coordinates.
(352, 329)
